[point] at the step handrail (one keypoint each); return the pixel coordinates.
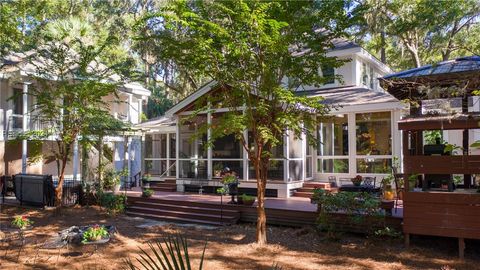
(168, 169)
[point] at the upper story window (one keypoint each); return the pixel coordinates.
(17, 101)
(329, 73)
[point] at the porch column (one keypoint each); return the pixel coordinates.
(129, 108)
(168, 154)
(286, 150)
(75, 159)
(352, 145)
(24, 126)
(304, 155)
(180, 187)
(209, 152)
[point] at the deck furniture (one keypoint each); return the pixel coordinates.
(333, 181)
(361, 188)
(345, 181)
(370, 181)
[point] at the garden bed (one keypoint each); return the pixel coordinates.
(228, 247)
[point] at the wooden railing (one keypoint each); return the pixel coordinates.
(442, 164)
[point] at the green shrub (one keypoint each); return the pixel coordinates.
(114, 204)
(354, 209)
(94, 233)
(147, 193)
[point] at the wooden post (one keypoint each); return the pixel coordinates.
(461, 248)
(407, 240)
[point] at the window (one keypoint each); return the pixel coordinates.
(373, 133)
(333, 145)
(329, 73)
(372, 78)
(364, 74)
(333, 137)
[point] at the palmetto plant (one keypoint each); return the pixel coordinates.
(173, 255)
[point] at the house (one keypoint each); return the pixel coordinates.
(17, 114)
(361, 138)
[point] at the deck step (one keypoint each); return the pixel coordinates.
(181, 211)
(303, 194)
(314, 185)
(175, 219)
(156, 188)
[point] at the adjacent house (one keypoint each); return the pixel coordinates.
(361, 138)
(17, 114)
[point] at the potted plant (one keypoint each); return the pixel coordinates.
(413, 183)
(401, 188)
(94, 233)
(21, 222)
(247, 199)
(388, 193)
(217, 169)
(147, 193)
(357, 180)
(146, 178)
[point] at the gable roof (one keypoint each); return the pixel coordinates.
(191, 98)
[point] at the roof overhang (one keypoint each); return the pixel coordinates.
(191, 98)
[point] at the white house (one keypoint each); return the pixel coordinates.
(360, 139)
(17, 114)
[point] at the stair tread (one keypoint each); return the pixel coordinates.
(182, 212)
(186, 207)
(178, 219)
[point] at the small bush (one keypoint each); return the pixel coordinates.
(114, 204)
(147, 193)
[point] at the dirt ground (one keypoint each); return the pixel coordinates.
(227, 248)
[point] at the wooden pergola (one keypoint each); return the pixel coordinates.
(439, 211)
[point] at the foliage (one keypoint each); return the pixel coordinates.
(432, 136)
(229, 179)
(248, 48)
(147, 193)
(359, 208)
(388, 232)
(429, 31)
(222, 190)
(94, 233)
(387, 180)
(21, 222)
(111, 179)
(114, 203)
(172, 255)
(452, 149)
(246, 197)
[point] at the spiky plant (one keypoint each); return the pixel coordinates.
(174, 256)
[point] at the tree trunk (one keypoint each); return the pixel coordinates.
(84, 171)
(61, 179)
(261, 234)
(383, 56)
(100, 162)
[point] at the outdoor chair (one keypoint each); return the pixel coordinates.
(370, 181)
(345, 181)
(333, 181)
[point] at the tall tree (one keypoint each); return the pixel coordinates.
(250, 48)
(429, 31)
(71, 85)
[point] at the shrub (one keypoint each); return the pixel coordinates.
(113, 203)
(174, 256)
(21, 222)
(345, 211)
(147, 193)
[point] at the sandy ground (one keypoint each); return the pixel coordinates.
(227, 247)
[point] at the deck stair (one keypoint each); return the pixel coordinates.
(306, 190)
(181, 211)
(166, 185)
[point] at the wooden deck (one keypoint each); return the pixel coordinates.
(295, 211)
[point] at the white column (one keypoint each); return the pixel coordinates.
(168, 154)
(209, 153)
(75, 159)
(304, 155)
(24, 126)
(286, 152)
(177, 148)
(140, 110)
(129, 108)
(129, 156)
(352, 145)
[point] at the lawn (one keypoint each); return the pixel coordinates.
(227, 248)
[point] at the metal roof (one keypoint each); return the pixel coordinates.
(462, 64)
(350, 95)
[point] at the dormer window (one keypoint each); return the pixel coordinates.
(328, 73)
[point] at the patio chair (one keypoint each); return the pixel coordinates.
(345, 181)
(370, 181)
(333, 181)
